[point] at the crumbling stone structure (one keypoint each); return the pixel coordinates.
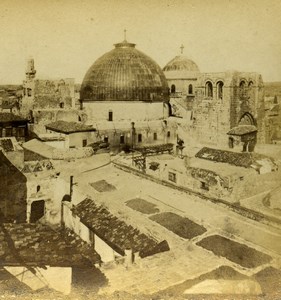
(45, 94)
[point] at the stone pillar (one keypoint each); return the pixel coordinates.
(128, 257)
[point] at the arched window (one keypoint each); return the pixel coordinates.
(219, 90)
(173, 89)
(242, 84)
(209, 89)
(242, 88)
(190, 89)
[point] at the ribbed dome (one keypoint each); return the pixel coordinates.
(181, 63)
(124, 74)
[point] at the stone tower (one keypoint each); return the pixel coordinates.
(30, 70)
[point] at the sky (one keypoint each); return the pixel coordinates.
(65, 37)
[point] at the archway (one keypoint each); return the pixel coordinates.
(249, 140)
(247, 119)
(37, 210)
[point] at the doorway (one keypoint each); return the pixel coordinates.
(37, 210)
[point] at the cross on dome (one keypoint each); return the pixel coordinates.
(125, 33)
(182, 47)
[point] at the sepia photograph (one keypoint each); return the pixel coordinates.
(140, 149)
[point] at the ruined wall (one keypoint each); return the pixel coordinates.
(54, 93)
(43, 117)
(47, 94)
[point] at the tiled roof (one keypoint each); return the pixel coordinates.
(39, 245)
(6, 145)
(242, 129)
(69, 127)
(241, 159)
(9, 117)
(116, 233)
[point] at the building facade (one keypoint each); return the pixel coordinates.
(214, 103)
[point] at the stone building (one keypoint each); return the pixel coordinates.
(44, 101)
(13, 125)
(75, 135)
(125, 96)
(214, 103)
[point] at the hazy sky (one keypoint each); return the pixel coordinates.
(65, 37)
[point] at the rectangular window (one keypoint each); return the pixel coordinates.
(168, 134)
(9, 131)
(105, 139)
(139, 137)
(21, 131)
(14, 131)
(84, 143)
(204, 186)
(110, 115)
(122, 139)
(172, 177)
(155, 136)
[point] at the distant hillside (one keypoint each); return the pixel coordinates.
(10, 87)
(272, 89)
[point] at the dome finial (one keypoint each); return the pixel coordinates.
(182, 47)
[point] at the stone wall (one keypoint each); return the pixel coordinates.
(144, 135)
(13, 192)
(43, 117)
(72, 153)
(124, 111)
(241, 102)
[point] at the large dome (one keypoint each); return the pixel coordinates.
(124, 74)
(181, 63)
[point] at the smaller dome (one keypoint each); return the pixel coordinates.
(181, 63)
